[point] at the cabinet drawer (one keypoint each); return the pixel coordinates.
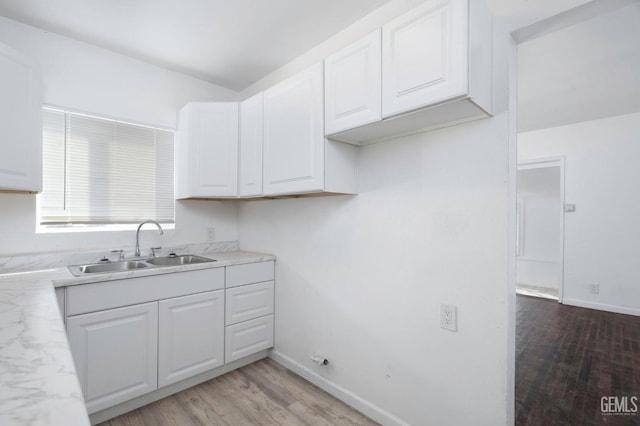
(113, 294)
(249, 273)
(248, 302)
(248, 337)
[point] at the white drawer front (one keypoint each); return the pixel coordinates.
(248, 302)
(248, 337)
(112, 294)
(249, 273)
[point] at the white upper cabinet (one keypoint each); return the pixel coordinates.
(207, 150)
(353, 85)
(20, 123)
(293, 134)
(297, 157)
(424, 56)
(436, 71)
(251, 120)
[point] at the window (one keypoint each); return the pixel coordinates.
(99, 171)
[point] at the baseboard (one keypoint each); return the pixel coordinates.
(537, 284)
(601, 307)
(365, 407)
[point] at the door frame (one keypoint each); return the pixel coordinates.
(543, 163)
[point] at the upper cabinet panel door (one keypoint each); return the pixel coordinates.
(20, 123)
(294, 134)
(208, 150)
(251, 119)
(353, 85)
(425, 56)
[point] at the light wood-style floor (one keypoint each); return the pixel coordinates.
(263, 393)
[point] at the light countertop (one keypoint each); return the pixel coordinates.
(226, 258)
(38, 382)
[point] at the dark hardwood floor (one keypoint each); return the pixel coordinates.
(568, 358)
(263, 393)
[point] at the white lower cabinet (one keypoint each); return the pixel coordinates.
(249, 337)
(131, 337)
(249, 309)
(191, 336)
(116, 353)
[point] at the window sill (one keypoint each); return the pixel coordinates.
(64, 229)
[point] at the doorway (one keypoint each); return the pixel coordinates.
(540, 228)
(569, 359)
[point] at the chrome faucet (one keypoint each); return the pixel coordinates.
(136, 253)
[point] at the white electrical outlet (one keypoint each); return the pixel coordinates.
(594, 288)
(449, 317)
(211, 234)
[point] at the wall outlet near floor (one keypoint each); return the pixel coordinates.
(211, 234)
(449, 317)
(594, 288)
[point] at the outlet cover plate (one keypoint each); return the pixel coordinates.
(449, 317)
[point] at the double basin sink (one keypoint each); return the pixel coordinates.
(128, 265)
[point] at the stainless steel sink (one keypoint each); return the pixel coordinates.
(128, 265)
(102, 268)
(186, 259)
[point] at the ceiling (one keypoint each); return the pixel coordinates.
(231, 43)
(234, 43)
(583, 72)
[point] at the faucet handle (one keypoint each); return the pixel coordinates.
(121, 255)
(153, 250)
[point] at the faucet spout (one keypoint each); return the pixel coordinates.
(136, 253)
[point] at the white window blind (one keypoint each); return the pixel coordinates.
(99, 171)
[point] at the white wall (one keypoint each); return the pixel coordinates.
(601, 179)
(86, 78)
(360, 279)
(540, 227)
(90, 79)
(19, 236)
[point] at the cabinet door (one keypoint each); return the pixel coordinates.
(115, 353)
(191, 336)
(294, 134)
(20, 123)
(246, 338)
(251, 118)
(210, 146)
(424, 56)
(353, 85)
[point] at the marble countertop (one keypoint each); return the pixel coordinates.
(38, 382)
